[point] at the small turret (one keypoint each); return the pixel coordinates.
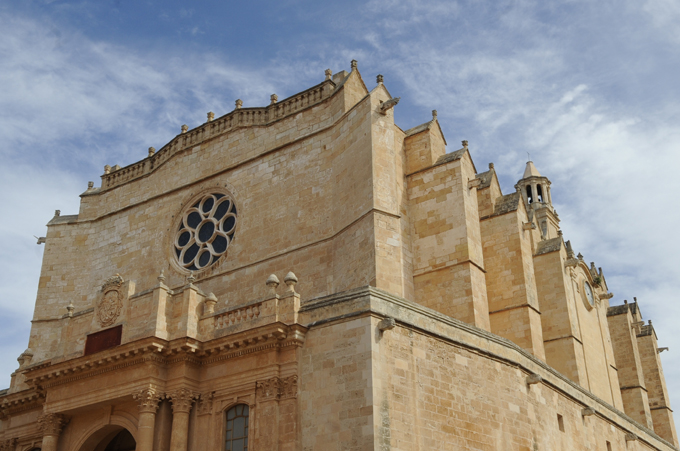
(535, 190)
(534, 187)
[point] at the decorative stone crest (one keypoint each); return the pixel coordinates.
(51, 424)
(182, 399)
(147, 399)
(111, 303)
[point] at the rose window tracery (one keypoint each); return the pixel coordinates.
(205, 231)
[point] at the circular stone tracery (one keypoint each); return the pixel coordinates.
(205, 231)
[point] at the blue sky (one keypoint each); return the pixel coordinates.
(588, 88)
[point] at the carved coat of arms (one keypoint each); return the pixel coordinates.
(111, 303)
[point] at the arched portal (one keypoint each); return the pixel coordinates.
(110, 438)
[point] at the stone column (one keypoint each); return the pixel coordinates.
(147, 400)
(50, 425)
(534, 192)
(181, 399)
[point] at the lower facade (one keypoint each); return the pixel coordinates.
(359, 370)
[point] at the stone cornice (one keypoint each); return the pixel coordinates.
(161, 352)
(240, 117)
(21, 401)
(376, 302)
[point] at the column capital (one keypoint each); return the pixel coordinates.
(147, 399)
(182, 399)
(51, 424)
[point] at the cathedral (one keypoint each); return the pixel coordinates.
(309, 276)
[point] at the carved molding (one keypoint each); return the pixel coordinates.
(51, 424)
(277, 388)
(147, 399)
(182, 399)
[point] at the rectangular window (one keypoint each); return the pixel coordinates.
(560, 422)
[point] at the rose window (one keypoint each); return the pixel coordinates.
(205, 232)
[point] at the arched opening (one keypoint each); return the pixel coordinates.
(236, 428)
(110, 438)
(530, 196)
(539, 193)
(123, 441)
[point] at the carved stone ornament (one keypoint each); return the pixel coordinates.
(276, 388)
(51, 424)
(147, 399)
(109, 307)
(268, 389)
(9, 444)
(182, 399)
(289, 387)
(112, 283)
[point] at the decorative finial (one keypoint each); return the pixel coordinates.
(210, 302)
(272, 283)
(625, 301)
(379, 79)
(328, 73)
(69, 309)
(465, 143)
(353, 64)
(635, 299)
(152, 150)
(57, 212)
(528, 157)
(161, 277)
(107, 169)
(274, 98)
(90, 185)
(291, 280)
(559, 233)
(434, 115)
(185, 128)
(191, 279)
(580, 256)
(239, 103)
(211, 116)
(490, 165)
(650, 322)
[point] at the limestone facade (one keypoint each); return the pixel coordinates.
(308, 276)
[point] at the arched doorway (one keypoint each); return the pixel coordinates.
(109, 438)
(123, 441)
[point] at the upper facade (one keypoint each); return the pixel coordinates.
(166, 281)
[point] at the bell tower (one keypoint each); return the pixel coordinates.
(535, 190)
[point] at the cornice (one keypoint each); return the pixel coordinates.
(162, 352)
(238, 118)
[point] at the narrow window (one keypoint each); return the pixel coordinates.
(530, 198)
(560, 422)
(237, 429)
(609, 446)
(539, 193)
